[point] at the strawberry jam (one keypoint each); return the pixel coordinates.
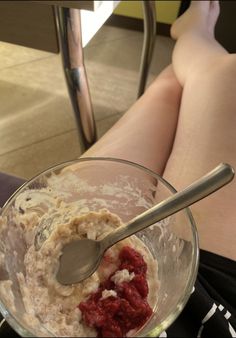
(125, 308)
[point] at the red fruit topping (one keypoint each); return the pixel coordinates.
(132, 261)
(140, 282)
(111, 329)
(115, 316)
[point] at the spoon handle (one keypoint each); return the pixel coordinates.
(201, 188)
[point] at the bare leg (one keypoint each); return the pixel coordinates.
(146, 132)
(196, 49)
(207, 121)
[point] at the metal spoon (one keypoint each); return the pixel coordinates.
(81, 258)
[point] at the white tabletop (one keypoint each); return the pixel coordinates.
(91, 21)
(93, 14)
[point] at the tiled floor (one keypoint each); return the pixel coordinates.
(37, 126)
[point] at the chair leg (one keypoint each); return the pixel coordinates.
(149, 10)
(70, 40)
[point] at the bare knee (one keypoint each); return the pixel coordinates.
(167, 88)
(222, 66)
(216, 80)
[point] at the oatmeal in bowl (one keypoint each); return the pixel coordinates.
(142, 282)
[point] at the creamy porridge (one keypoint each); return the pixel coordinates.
(60, 309)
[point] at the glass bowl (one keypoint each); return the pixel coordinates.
(124, 188)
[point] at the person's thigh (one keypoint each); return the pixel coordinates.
(205, 137)
(145, 133)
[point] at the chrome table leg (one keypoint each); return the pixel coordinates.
(149, 11)
(70, 39)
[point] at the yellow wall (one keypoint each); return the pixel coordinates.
(166, 11)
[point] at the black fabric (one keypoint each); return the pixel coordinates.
(211, 309)
(8, 185)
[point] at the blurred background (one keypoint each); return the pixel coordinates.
(37, 125)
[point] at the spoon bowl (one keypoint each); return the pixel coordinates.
(90, 251)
